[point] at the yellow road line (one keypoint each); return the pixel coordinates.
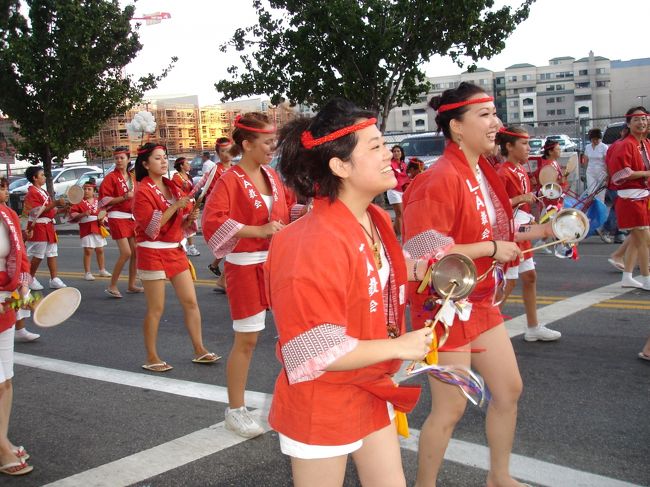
(122, 278)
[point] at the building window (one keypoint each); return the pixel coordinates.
(406, 124)
(559, 87)
(602, 84)
(550, 88)
(529, 114)
(550, 99)
(515, 116)
(550, 112)
(582, 97)
(514, 103)
(583, 110)
(561, 112)
(515, 91)
(583, 72)
(406, 112)
(559, 99)
(512, 79)
(583, 85)
(525, 77)
(601, 71)
(501, 80)
(419, 111)
(528, 102)
(483, 82)
(419, 123)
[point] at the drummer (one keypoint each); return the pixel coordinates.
(550, 156)
(513, 144)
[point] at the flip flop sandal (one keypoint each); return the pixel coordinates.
(137, 290)
(220, 290)
(21, 453)
(16, 468)
(206, 358)
(215, 270)
(113, 294)
(643, 356)
(159, 367)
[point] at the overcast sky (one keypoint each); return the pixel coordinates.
(554, 28)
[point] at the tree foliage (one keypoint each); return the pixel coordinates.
(370, 51)
(61, 72)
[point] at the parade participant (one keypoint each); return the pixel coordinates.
(222, 147)
(162, 221)
(248, 206)
(513, 143)
(40, 231)
(336, 284)
(596, 173)
(398, 165)
(14, 275)
(85, 213)
(183, 182)
(115, 195)
(460, 204)
(629, 168)
(550, 155)
(207, 163)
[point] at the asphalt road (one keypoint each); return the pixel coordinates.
(89, 415)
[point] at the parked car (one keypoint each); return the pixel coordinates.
(536, 146)
(17, 183)
(428, 147)
(84, 178)
(566, 144)
(613, 132)
(62, 179)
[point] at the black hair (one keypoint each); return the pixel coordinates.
(307, 171)
(254, 120)
(502, 138)
(632, 110)
(402, 157)
(178, 163)
(219, 141)
(143, 154)
(463, 92)
(91, 181)
(548, 147)
(4, 182)
(595, 134)
(122, 148)
(31, 172)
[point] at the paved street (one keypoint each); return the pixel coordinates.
(90, 416)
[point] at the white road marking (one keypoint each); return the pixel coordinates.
(160, 459)
(561, 309)
(165, 457)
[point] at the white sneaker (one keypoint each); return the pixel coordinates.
(56, 283)
(645, 282)
(88, 276)
(25, 336)
(193, 251)
(239, 421)
(35, 285)
(628, 281)
(104, 273)
(540, 332)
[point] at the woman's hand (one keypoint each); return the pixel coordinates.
(506, 251)
(128, 195)
(271, 228)
(182, 202)
(194, 215)
(527, 198)
(414, 345)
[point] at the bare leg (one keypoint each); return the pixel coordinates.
(99, 254)
(6, 448)
(154, 292)
(237, 367)
(498, 366)
(132, 270)
(52, 266)
(447, 407)
(397, 224)
(87, 252)
(646, 348)
(322, 472)
(33, 265)
(125, 254)
(186, 294)
(379, 460)
(619, 253)
(529, 292)
(20, 324)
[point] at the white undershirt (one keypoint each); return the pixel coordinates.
(5, 246)
(268, 199)
(489, 206)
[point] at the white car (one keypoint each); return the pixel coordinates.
(428, 147)
(566, 144)
(62, 179)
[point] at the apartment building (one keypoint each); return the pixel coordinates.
(561, 93)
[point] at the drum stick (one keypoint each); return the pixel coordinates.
(555, 242)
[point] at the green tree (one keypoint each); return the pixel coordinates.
(61, 72)
(370, 51)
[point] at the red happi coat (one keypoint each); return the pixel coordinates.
(235, 202)
(17, 265)
(35, 200)
(115, 185)
(323, 288)
(516, 182)
(149, 204)
(626, 158)
(443, 206)
(182, 183)
(89, 226)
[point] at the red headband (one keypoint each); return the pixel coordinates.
(90, 184)
(514, 134)
(224, 144)
(116, 152)
(452, 106)
(240, 125)
(309, 142)
(644, 114)
(146, 151)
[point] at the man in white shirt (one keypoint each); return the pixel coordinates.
(208, 165)
(596, 173)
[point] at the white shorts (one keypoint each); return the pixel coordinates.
(527, 265)
(93, 241)
(40, 250)
(250, 324)
(7, 354)
(394, 196)
(305, 451)
(150, 275)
